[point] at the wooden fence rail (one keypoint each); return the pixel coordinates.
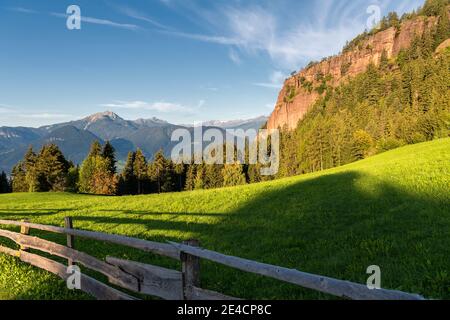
(160, 282)
(162, 249)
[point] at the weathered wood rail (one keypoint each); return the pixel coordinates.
(160, 282)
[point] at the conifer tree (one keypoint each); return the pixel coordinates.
(169, 181)
(19, 181)
(96, 149)
(434, 7)
(33, 177)
(87, 169)
(361, 144)
(97, 173)
(233, 175)
(393, 19)
(213, 176)
(103, 182)
(384, 61)
(160, 172)
(180, 175)
(190, 177)
(108, 153)
(200, 177)
(443, 27)
(140, 170)
(4, 183)
(254, 173)
(73, 176)
(52, 168)
(129, 179)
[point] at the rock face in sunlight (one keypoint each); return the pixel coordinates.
(443, 46)
(303, 89)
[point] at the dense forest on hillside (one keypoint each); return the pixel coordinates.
(403, 100)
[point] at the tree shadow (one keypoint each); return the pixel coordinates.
(28, 213)
(337, 225)
(147, 213)
(334, 225)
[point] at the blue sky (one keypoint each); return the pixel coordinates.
(179, 60)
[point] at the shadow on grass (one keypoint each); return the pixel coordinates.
(335, 225)
(338, 225)
(178, 214)
(24, 212)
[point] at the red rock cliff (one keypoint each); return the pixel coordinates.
(295, 100)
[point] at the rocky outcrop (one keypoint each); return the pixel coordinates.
(298, 93)
(443, 46)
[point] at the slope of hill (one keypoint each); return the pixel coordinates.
(299, 92)
(391, 210)
(397, 98)
(11, 138)
(73, 142)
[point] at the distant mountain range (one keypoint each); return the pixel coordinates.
(75, 137)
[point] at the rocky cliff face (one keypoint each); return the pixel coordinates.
(296, 97)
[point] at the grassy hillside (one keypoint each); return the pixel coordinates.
(392, 210)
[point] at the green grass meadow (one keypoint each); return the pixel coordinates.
(391, 210)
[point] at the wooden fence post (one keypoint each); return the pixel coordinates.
(70, 239)
(26, 231)
(190, 269)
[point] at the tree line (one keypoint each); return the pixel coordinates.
(49, 170)
(45, 171)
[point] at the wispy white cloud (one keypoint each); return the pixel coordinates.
(205, 38)
(20, 112)
(7, 109)
(251, 29)
(288, 40)
(85, 19)
(45, 116)
(276, 80)
(23, 10)
(288, 44)
(268, 85)
(214, 89)
(408, 6)
(255, 29)
(98, 21)
(166, 2)
(171, 31)
(160, 106)
(109, 23)
(201, 104)
(135, 14)
(234, 56)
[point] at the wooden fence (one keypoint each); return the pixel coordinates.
(160, 282)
